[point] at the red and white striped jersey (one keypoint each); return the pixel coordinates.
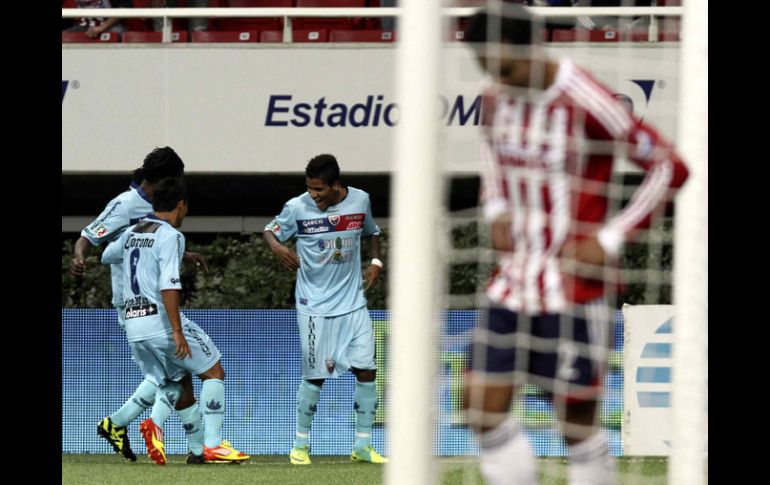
(547, 162)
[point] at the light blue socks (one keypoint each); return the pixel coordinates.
(213, 401)
(165, 400)
(307, 401)
(143, 397)
(365, 397)
(192, 422)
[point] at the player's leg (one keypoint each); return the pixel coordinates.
(149, 356)
(590, 462)
(113, 428)
(142, 398)
(152, 427)
(192, 421)
(173, 396)
(312, 336)
(205, 362)
(308, 394)
(215, 449)
(360, 355)
(506, 455)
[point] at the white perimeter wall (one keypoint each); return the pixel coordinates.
(211, 103)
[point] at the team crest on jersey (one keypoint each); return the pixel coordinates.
(100, 230)
(330, 365)
(276, 228)
(334, 220)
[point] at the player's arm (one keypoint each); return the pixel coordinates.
(286, 256)
(113, 253)
(371, 229)
(372, 272)
(171, 303)
(170, 251)
(496, 209)
(495, 206)
(664, 172)
(282, 228)
(105, 228)
(197, 258)
(78, 264)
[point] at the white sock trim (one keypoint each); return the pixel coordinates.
(590, 449)
(498, 436)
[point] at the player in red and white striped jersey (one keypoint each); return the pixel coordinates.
(551, 133)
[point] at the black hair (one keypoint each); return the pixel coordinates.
(324, 167)
(167, 193)
(159, 163)
(516, 26)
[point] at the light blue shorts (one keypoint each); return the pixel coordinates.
(155, 357)
(121, 316)
(332, 345)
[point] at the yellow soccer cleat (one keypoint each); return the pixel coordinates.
(117, 437)
(153, 438)
(300, 456)
(368, 455)
(224, 453)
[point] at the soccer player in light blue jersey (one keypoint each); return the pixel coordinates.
(121, 213)
(328, 222)
(167, 346)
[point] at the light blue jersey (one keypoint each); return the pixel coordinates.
(121, 213)
(329, 278)
(151, 255)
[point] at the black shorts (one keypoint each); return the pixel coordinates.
(558, 352)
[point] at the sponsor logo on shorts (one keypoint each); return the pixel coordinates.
(330, 365)
(311, 343)
(201, 342)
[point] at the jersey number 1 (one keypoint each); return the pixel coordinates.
(134, 261)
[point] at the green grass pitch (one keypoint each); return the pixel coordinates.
(331, 470)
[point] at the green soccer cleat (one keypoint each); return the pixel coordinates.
(368, 455)
(117, 436)
(300, 455)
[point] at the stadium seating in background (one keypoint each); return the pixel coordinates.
(145, 24)
(271, 36)
(299, 36)
(250, 23)
(310, 35)
(563, 35)
(230, 36)
(81, 37)
(361, 36)
(152, 37)
(330, 23)
(457, 28)
(604, 36)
